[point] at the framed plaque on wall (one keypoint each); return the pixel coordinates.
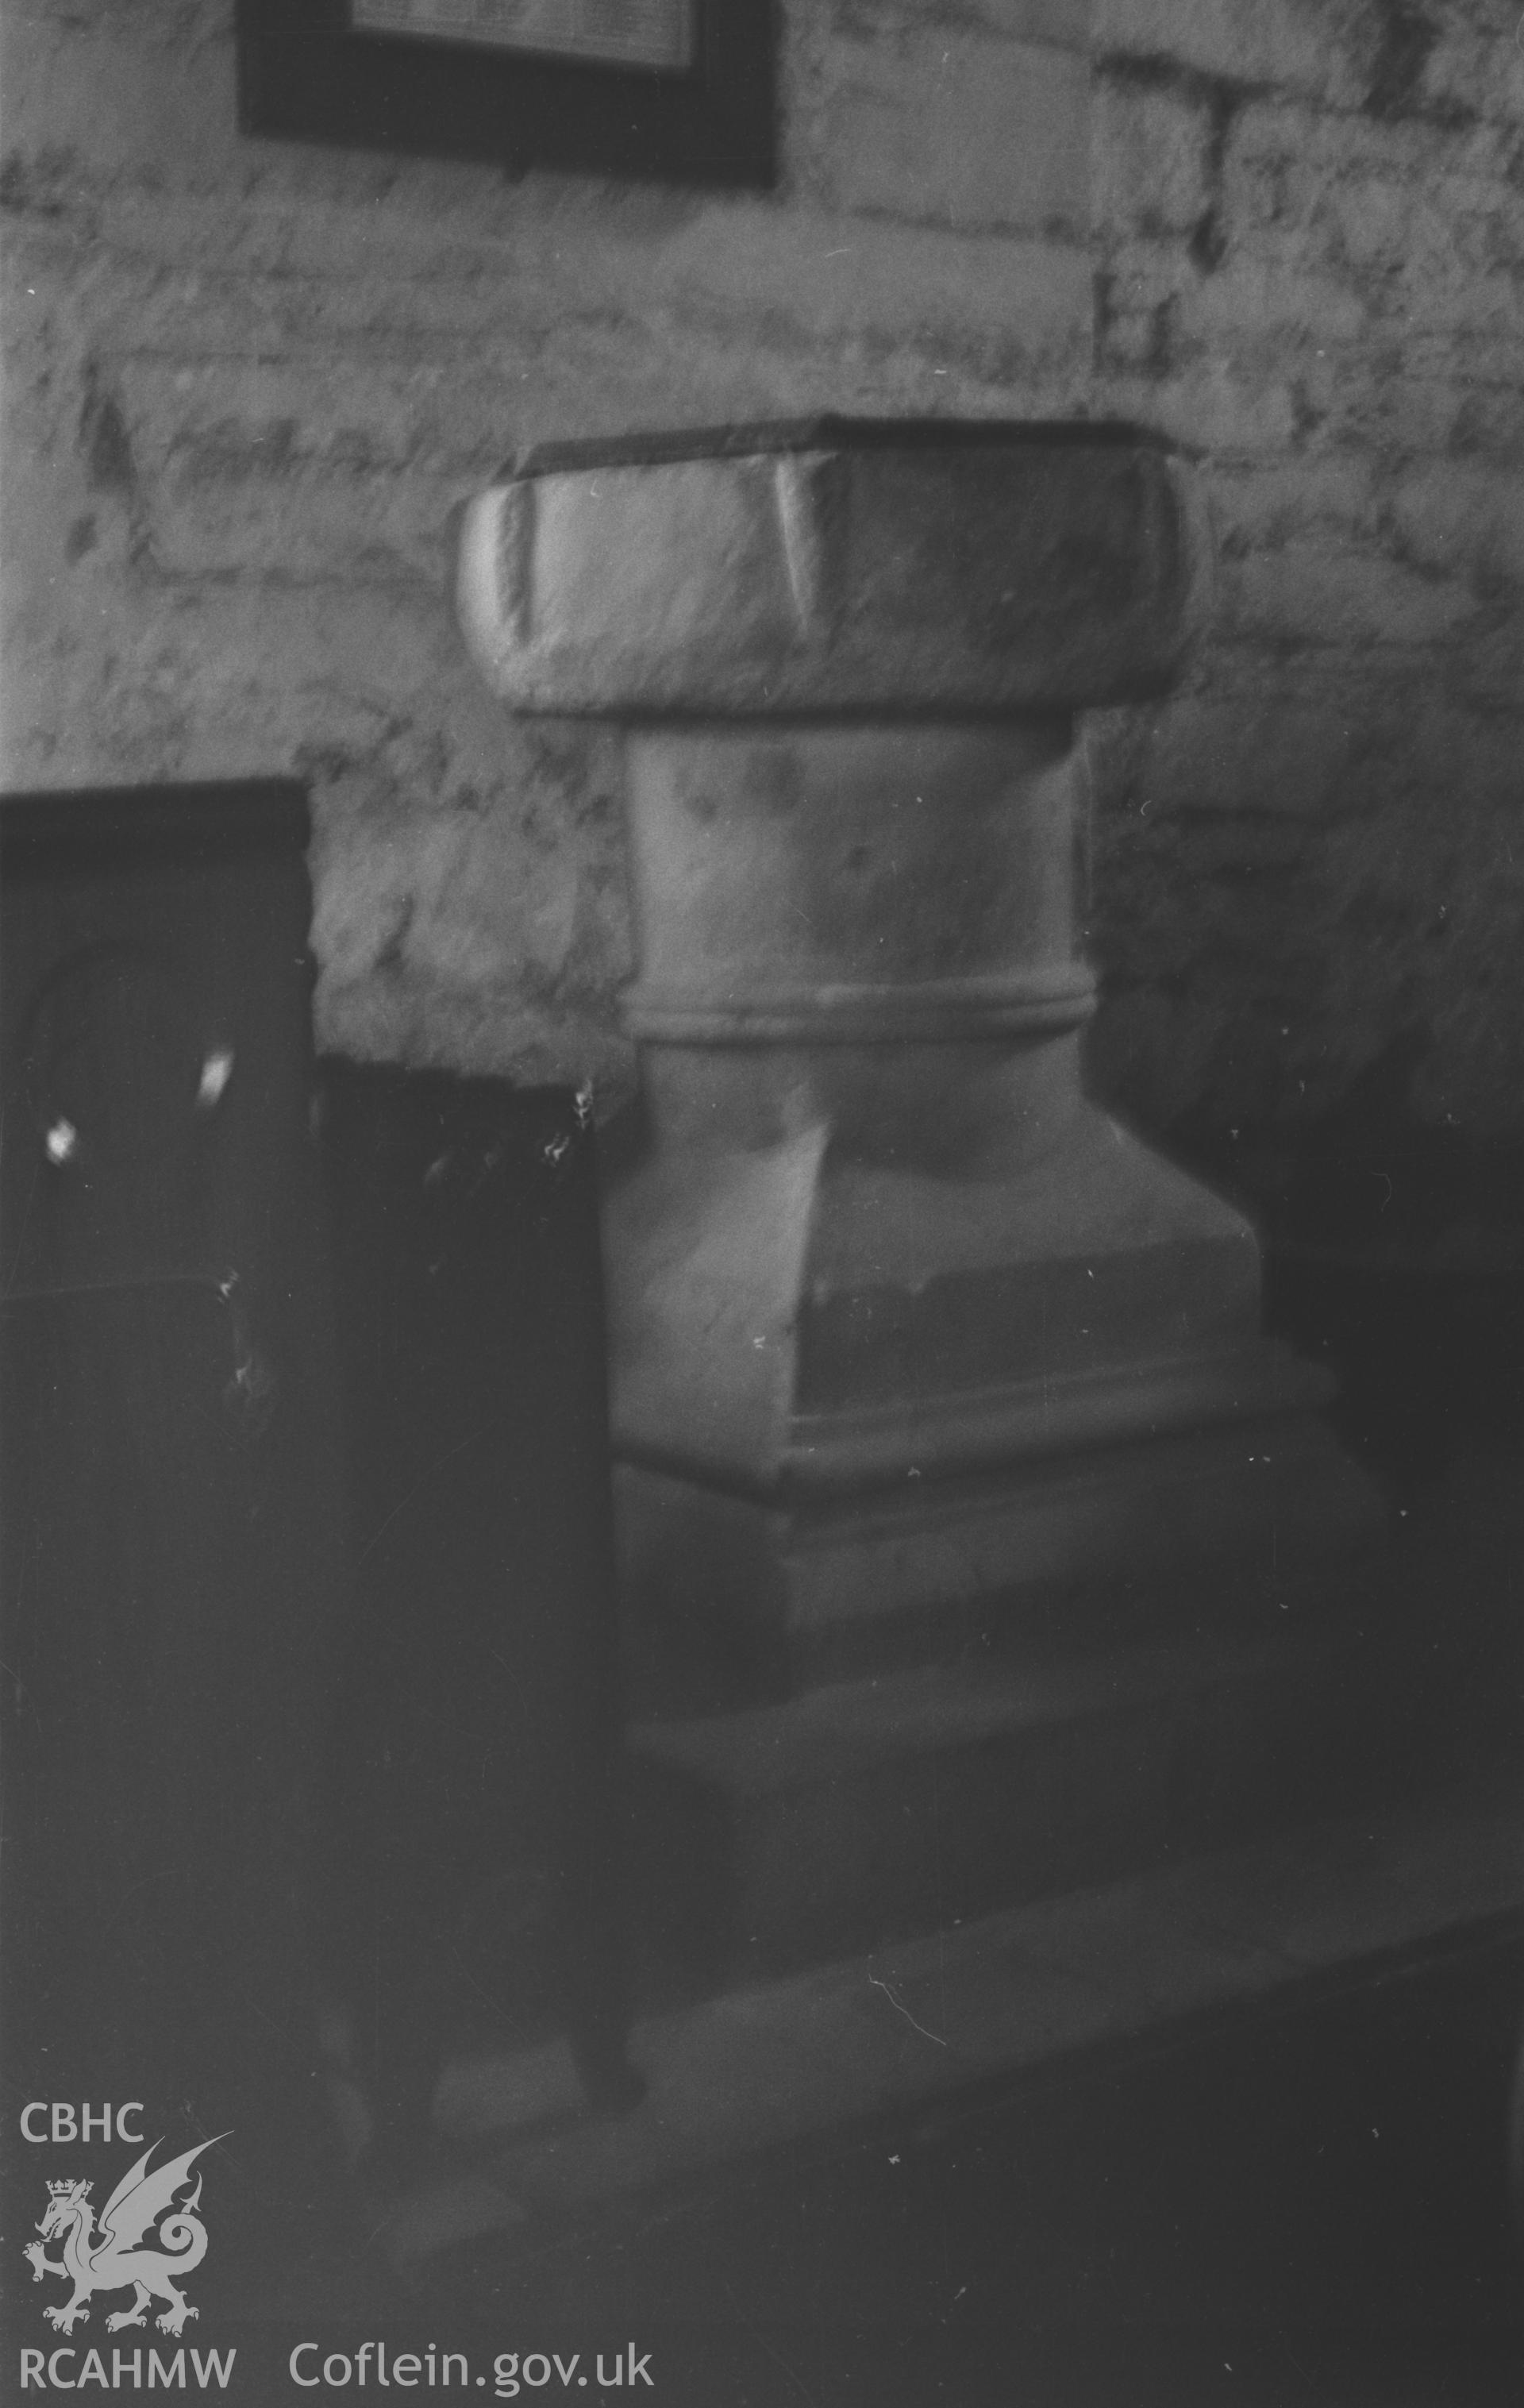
(679, 90)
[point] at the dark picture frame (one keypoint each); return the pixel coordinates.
(307, 73)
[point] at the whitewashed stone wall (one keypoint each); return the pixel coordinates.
(1310, 874)
(248, 382)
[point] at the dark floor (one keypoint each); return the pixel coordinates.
(1301, 2202)
(1303, 2205)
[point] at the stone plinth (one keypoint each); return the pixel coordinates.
(907, 1332)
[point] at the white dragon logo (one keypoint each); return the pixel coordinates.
(110, 2259)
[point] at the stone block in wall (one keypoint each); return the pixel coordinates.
(1254, 747)
(425, 331)
(1152, 152)
(1439, 287)
(1426, 917)
(1418, 201)
(82, 84)
(1286, 162)
(957, 130)
(1262, 504)
(470, 898)
(1488, 673)
(1137, 307)
(782, 280)
(1253, 368)
(1064, 22)
(1465, 62)
(1462, 519)
(1325, 48)
(1255, 299)
(300, 471)
(1312, 593)
(1472, 359)
(204, 680)
(1325, 857)
(454, 934)
(1452, 396)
